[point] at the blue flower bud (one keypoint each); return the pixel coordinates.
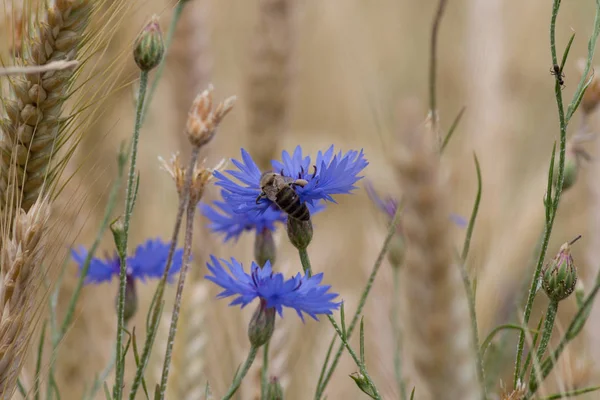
(261, 325)
(559, 276)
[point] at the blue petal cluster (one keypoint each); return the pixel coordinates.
(331, 174)
(148, 261)
(302, 293)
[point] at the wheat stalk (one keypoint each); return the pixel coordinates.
(267, 86)
(438, 326)
(32, 125)
(21, 254)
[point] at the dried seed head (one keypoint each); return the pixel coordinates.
(559, 276)
(149, 47)
(202, 120)
(200, 178)
(261, 325)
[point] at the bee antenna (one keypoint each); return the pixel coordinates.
(314, 173)
(281, 173)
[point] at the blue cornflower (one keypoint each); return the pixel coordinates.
(334, 174)
(148, 261)
(302, 293)
(223, 219)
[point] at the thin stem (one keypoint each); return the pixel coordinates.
(551, 206)
(397, 334)
(305, 260)
(548, 327)
(264, 372)
(572, 393)
(120, 368)
(433, 60)
(357, 361)
(237, 381)
(363, 299)
(159, 70)
(187, 251)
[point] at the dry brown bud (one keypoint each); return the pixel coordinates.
(202, 120)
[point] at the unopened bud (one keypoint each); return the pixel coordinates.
(396, 251)
(559, 276)
(117, 228)
(363, 384)
(264, 247)
(299, 232)
(274, 390)
(571, 171)
(261, 325)
(131, 299)
(149, 47)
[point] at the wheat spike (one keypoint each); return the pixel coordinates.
(32, 121)
(21, 275)
(267, 86)
(438, 325)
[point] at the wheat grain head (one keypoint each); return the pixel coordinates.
(438, 327)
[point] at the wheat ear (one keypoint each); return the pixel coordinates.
(21, 275)
(32, 123)
(267, 86)
(438, 326)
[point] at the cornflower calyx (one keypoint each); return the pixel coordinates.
(200, 177)
(559, 276)
(274, 389)
(261, 325)
(299, 232)
(149, 47)
(202, 120)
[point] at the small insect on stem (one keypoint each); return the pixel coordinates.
(558, 74)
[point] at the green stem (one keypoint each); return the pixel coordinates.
(187, 252)
(237, 381)
(264, 372)
(120, 368)
(548, 327)
(551, 206)
(357, 361)
(363, 299)
(397, 334)
(571, 393)
(159, 70)
(433, 60)
(305, 260)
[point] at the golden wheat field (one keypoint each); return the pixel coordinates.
(453, 294)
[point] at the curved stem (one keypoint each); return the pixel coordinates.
(363, 299)
(187, 251)
(397, 334)
(433, 60)
(237, 381)
(131, 191)
(264, 372)
(305, 260)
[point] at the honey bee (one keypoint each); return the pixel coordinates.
(280, 190)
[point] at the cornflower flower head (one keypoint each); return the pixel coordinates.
(305, 294)
(331, 174)
(149, 261)
(225, 220)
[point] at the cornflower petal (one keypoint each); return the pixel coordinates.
(100, 270)
(304, 294)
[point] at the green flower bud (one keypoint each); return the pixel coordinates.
(261, 325)
(570, 173)
(559, 276)
(149, 47)
(299, 232)
(117, 228)
(131, 300)
(396, 251)
(363, 384)
(274, 390)
(264, 248)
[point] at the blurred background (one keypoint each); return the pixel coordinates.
(347, 73)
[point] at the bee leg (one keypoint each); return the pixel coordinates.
(261, 196)
(281, 173)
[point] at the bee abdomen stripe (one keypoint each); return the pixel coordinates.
(286, 198)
